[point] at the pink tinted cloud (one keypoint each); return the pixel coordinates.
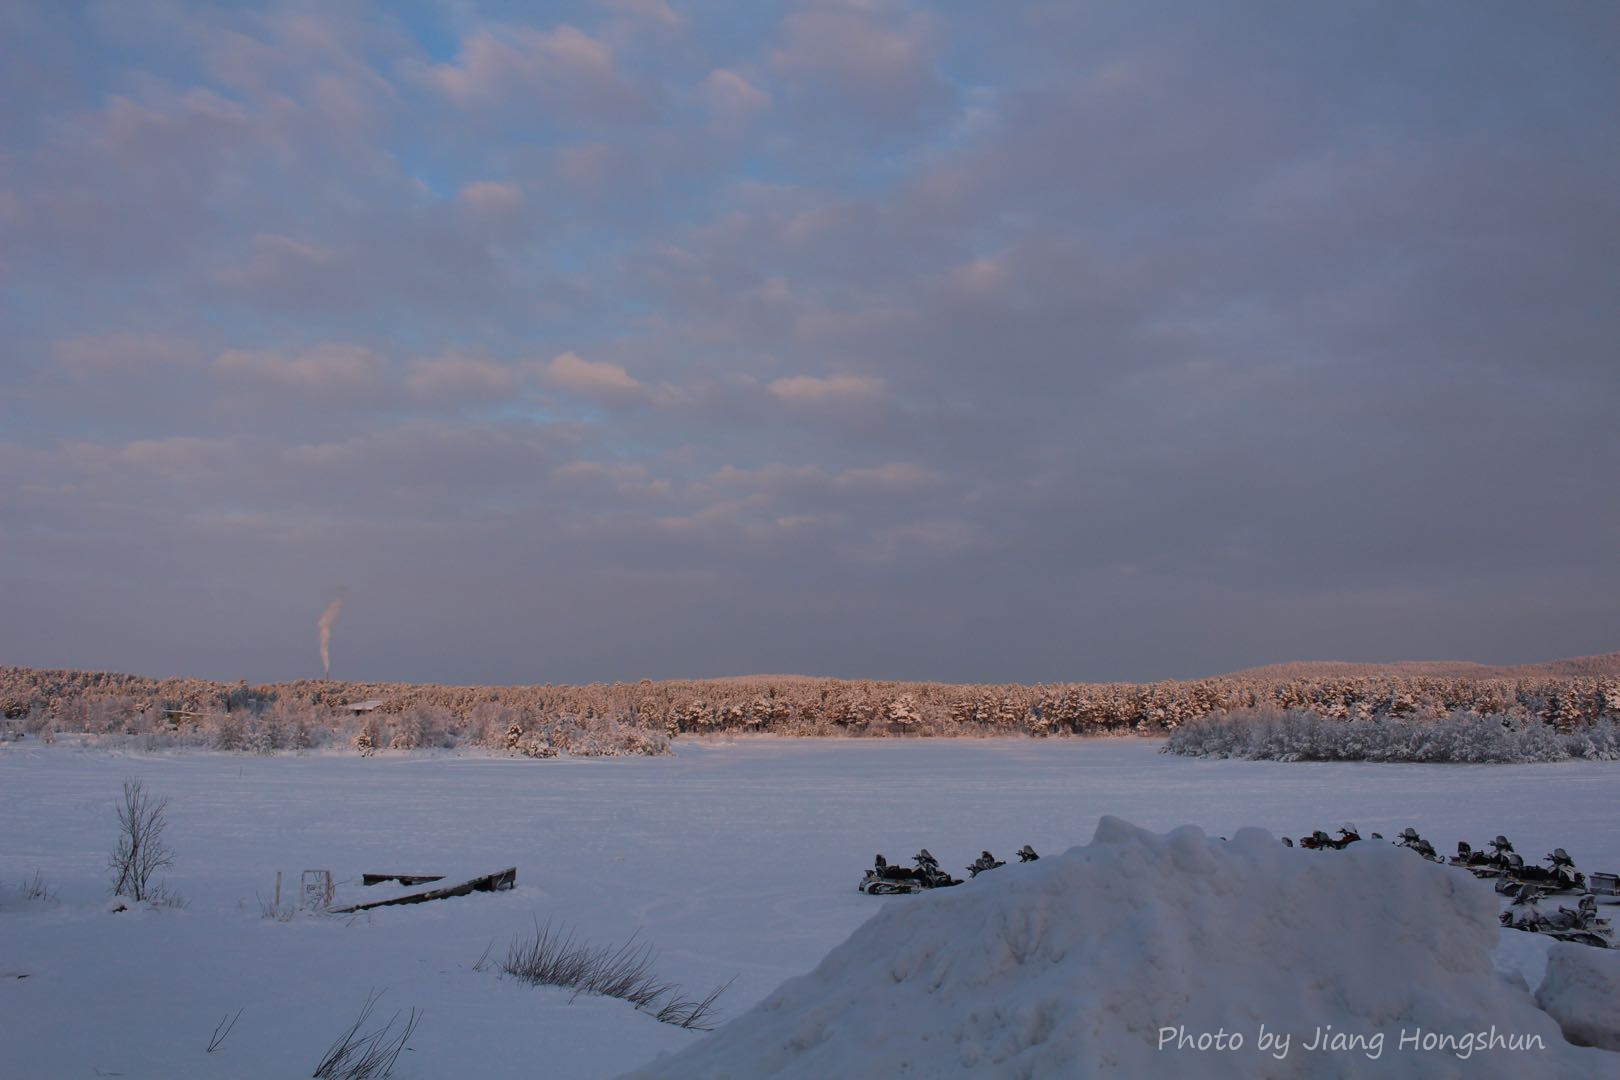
(123, 353)
(320, 369)
(491, 198)
(657, 12)
(732, 96)
(461, 375)
(875, 56)
(563, 69)
(817, 391)
(595, 378)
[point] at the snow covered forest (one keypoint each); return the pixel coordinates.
(1267, 733)
(1308, 706)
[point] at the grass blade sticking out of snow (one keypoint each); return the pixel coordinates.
(36, 889)
(353, 1056)
(694, 1014)
(223, 1029)
(551, 957)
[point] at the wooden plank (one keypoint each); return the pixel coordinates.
(496, 882)
(403, 879)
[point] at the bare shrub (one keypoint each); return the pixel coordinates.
(160, 896)
(555, 958)
(141, 851)
(268, 909)
(356, 1056)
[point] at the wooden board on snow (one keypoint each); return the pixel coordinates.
(496, 882)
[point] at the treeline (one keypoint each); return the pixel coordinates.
(639, 717)
(1271, 734)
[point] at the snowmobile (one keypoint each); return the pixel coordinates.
(1607, 884)
(1480, 864)
(1319, 840)
(1561, 876)
(886, 880)
(1409, 838)
(1580, 924)
(1027, 854)
(985, 861)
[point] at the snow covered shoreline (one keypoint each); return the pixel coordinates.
(736, 857)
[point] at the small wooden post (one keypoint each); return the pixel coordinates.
(278, 890)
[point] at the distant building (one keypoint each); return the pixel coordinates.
(360, 708)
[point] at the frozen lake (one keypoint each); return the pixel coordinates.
(733, 858)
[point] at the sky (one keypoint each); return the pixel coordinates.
(1036, 341)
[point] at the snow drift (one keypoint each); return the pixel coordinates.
(1582, 992)
(1162, 955)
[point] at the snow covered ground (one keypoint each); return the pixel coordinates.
(735, 858)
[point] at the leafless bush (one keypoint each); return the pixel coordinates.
(161, 896)
(269, 909)
(222, 1029)
(141, 851)
(356, 1056)
(555, 958)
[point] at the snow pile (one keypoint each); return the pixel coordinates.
(1172, 955)
(1582, 992)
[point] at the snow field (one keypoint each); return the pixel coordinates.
(735, 858)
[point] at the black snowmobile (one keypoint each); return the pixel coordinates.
(1579, 924)
(1482, 865)
(985, 861)
(1409, 838)
(1027, 854)
(1559, 876)
(886, 880)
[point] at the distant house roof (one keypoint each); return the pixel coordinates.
(364, 706)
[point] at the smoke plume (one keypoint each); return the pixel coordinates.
(328, 617)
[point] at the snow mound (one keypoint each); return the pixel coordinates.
(1582, 992)
(1161, 955)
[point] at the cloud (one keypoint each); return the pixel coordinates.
(126, 353)
(491, 198)
(1052, 328)
(818, 391)
(178, 457)
(800, 481)
(461, 375)
(873, 66)
(574, 75)
(593, 378)
(320, 369)
(732, 96)
(653, 11)
(893, 477)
